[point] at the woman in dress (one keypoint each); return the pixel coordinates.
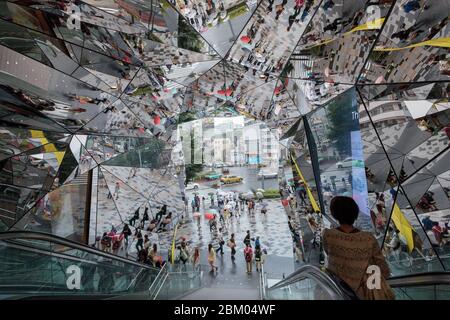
(212, 258)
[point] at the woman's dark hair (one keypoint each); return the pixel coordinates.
(344, 209)
(209, 247)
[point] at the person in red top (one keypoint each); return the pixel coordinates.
(248, 254)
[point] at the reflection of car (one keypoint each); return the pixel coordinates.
(231, 179)
(350, 162)
(191, 186)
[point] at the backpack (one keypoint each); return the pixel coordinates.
(248, 256)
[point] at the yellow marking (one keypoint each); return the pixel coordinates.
(308, 190)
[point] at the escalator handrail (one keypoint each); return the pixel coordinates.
(333, 288)
(16, 235)
(158, 276)
(420, 279)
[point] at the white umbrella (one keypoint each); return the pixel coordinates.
(249, 195)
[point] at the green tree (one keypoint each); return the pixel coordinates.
(339, 116)
(186, 117)
(192, 170)
(188, 38)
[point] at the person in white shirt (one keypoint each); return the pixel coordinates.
(221, 241)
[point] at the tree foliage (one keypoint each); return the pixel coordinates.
(188, 38)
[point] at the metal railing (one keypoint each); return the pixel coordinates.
(420, 280)
(262, 283)
(330, 283)
(13, 236)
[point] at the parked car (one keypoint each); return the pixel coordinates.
(191, 186)
(231, 179)
(350, 162)
(267, 174)
(213, 176)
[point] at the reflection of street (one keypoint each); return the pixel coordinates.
(223, 35)
(250, 181)
(272, 228)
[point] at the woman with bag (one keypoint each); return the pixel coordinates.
(232, 244)
(352, 253)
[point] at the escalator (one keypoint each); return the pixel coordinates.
(38, 265)
(312, 283)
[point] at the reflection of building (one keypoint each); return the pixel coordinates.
(229, 141)
(383, 113)
(269, 147)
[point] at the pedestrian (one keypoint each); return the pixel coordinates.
(258, 254)
(232, 245)
(152, 253)
(247, 239)
(257, 242)
(140, 240)
(117, 189)
(161, 213)
(193, 205)
(221, 241)
(248, 255)
(197, 202)
(250, 206)
(106, 242)
(144, 217)
(146, 244)
(212, 257)
(132, 173)
(264, 208)
(126, 231)
(351, 251)
(184, 252)
(196, 258)
(212, 199)
(135, 217)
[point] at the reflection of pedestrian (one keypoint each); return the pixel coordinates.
(116, 190)
(333, 182)
(412, 5)
(279, 8)
(328, 5)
